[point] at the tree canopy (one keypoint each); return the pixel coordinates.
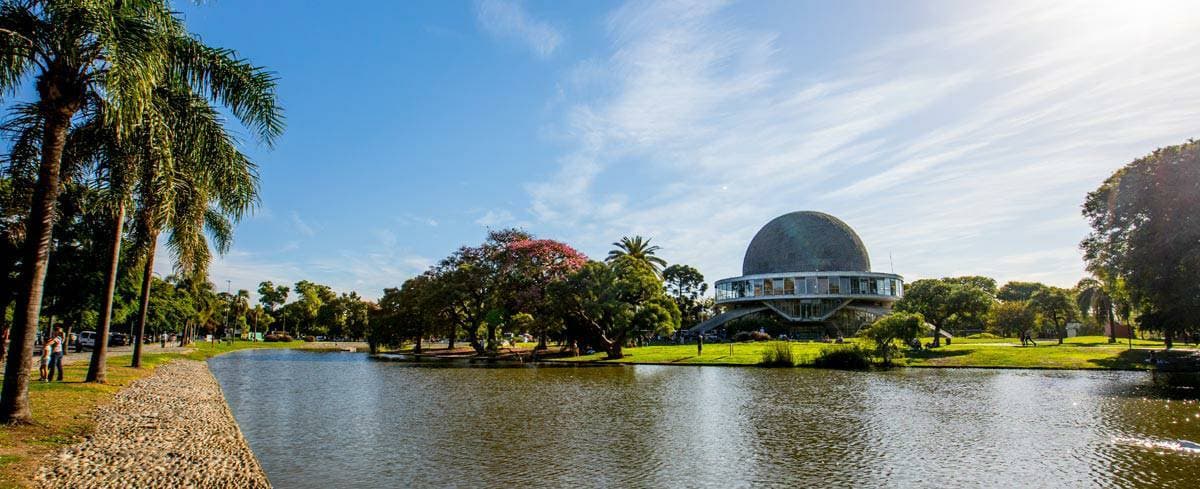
(1145, 222)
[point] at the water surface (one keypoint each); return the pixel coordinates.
(319, 420)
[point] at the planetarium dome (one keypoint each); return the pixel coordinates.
(805, 241)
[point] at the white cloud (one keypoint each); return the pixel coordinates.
(509, 19)
(495, 218)
(957, 149)
(300, 226)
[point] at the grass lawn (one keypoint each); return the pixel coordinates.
(63, 411)
(1085, 352)
(714, 354)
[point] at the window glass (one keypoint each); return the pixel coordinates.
(789, 286)
(822, 285)
(835, 285)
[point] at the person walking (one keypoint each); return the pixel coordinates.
(56, 354)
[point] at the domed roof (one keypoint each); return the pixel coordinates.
(805, 241)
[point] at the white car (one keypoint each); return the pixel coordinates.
(87, 339)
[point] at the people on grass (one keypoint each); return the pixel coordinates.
(56, 353)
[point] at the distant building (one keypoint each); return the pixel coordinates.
(812, 271)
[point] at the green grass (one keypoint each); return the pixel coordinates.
(714, 354)
(1086, 352)
(64, 411)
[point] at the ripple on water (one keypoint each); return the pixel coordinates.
(341, 420)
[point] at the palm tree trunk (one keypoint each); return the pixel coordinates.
(1112, 330)
(14, 399)
(147, 275)
(98, 367)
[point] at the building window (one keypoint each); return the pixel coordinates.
(835, 285)
(789, 286)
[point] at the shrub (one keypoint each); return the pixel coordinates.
(759, 336)
(900, 326)
(277, 336)
(310, 339)
(742, 336)
(847, 357)
(983, 336)
(779, 354)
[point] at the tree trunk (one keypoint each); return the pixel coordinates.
(14, 399)
(147, 276)
(937, 335)
(97, 368)
(1112, 330)
(1169, 338)
(417, 346)
(450, 341)
(1062, 333)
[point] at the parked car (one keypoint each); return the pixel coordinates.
(118, 339)
(87, 339)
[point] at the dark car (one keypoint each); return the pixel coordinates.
(118, 339)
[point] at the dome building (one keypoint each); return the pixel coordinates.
(810, 270)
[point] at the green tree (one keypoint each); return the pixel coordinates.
(686, 285)
(1093, 299)
(272, 296)
(616, 301)
(1056, 306)
(637, 248)
(886, 331)
(952, 301)
(930, 299)
(115, 51)
(1010, 318)
(1145, 221)
(1019, 291)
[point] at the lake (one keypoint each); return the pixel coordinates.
(319, 420)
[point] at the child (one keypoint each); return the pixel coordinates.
(45, 364)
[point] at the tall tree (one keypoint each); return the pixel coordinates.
(1145, 221)
(614, 302)
(272, 296)
(686, 285)
(1019, 291)
(72, 50)
(1057, 307)
(1094, 300)
(637, 248)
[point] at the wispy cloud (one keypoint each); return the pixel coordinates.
(495, 218)
(300, 226)
(509, 19)
(954, 149)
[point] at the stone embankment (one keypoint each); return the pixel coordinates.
(171, 429)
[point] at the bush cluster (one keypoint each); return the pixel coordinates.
(846, 357)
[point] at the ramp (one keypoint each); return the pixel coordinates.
(725, 317)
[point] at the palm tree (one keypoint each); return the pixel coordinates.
(203, 184)
(118, 52)
(638, 248)
(71, 49)
(1093, 298)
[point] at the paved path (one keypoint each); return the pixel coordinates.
(171, 429)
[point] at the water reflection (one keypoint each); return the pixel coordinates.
(341, 420)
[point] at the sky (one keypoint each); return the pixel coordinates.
(954, 137)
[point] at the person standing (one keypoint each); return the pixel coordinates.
(699, 344)
(56, 354)
(44, 363)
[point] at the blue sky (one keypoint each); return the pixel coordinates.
(955, 137)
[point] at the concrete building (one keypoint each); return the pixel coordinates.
(810, 270)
